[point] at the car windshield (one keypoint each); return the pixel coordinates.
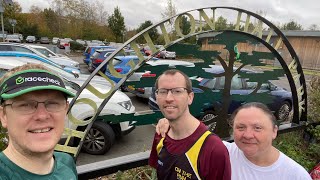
(45, 52)
(13, 36)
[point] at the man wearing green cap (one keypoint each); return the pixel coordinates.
(33, 110)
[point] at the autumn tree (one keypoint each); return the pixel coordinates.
(116, 24)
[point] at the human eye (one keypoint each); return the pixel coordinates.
(257, 128)
(53, 105)
(177, 91)
(23, 105)
(162, 91)
(240, 127)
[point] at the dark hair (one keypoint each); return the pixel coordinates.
(257, 105)
(173, 72)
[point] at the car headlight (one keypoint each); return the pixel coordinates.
(126, 104)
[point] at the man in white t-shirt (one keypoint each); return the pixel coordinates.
(252, 154)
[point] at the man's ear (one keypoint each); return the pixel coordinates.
(3, 117)
(191, 96)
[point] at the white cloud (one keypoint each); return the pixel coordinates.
(135, 12)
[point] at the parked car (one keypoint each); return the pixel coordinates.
(90, 50)
(62, 43)
(100, 55)
(37, 58)
(166, 54)
(146, 50)
(102, 134)
(98, 42)
(281, 99)
(43, 52)
(55, 40)
(31, 39)
(120, 64)
(44, 40)
(80, 41)
(145, 92)
(13, 38)
(62, 60)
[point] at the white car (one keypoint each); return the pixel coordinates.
(13, 38)
(57, 58)
(40, 51)
(55, 40)
(102, 134)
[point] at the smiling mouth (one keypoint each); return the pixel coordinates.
(41, 130)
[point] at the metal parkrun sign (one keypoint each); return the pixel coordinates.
(274, 40)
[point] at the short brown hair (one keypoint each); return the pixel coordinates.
(173, 72)
(257, 105)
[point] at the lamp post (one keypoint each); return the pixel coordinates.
(9, 2)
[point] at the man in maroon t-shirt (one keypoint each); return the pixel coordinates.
(189, 150)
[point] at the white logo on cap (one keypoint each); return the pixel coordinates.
(46, 79)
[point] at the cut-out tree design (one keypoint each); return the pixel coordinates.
(225, 100)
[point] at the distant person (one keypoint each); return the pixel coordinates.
(252, 155)
(189, 150)
(33, 110)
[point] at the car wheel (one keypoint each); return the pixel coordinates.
(99, 139)
(283, 112)
(208, 119)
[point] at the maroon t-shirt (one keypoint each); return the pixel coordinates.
(214, 162)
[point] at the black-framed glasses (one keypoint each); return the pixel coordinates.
(30, 106)
(174, 91)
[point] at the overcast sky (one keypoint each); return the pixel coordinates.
(135, 12)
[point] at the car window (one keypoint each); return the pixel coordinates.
(96, 54)
(5, 48)
(236, 83)
(210, 83)
(116, 62)
(252, 85)
(45, 52)
(22, 49)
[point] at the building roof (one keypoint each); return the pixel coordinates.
(287, 33)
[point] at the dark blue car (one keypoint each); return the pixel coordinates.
(120, 64)
(279, 100)
(91, 49)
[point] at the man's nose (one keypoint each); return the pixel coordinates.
(41, 110)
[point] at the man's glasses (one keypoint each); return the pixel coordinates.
(30, 106)
(174, 91)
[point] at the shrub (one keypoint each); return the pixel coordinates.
(314, 99)
(75, 46)
(3, 138)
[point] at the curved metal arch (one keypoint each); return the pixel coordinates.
(106, 97)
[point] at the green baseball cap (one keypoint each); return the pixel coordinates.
(31, 80)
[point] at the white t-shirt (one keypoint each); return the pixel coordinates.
(283, 169)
